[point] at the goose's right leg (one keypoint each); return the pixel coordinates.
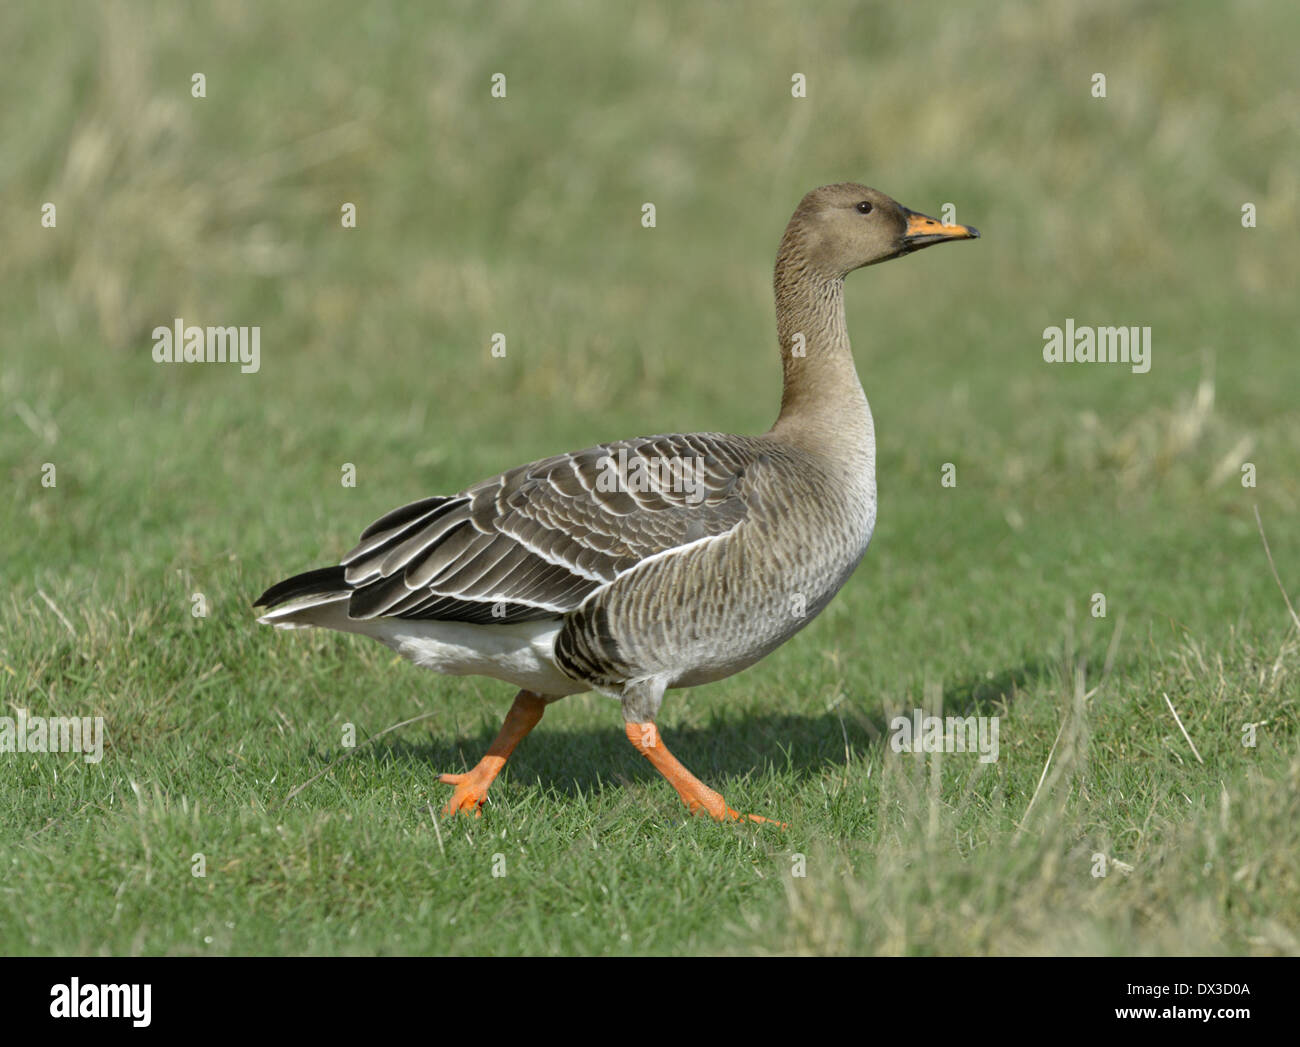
(694, 793)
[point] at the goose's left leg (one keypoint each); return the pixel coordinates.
(472, 787)
(694, 793)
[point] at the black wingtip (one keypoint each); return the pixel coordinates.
(309, 583)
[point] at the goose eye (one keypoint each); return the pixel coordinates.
(864, 207)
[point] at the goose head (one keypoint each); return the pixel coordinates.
(842, 227)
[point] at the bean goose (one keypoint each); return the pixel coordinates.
(641, 565)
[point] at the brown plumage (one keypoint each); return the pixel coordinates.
(641, 565)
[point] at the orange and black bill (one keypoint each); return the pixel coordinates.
(923, 231)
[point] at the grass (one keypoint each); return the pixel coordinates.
(523, 216)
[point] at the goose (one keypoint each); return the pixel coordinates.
(641, 565)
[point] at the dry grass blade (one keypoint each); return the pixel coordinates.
(1178, 720)
(54, 607)
(433, 817)
(1024, 819)
(1273, 567)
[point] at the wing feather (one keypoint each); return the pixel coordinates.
(535, 541)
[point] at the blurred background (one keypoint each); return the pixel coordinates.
(522, 215)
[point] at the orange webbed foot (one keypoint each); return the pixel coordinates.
(471, 789)
(719, 811)
(472, 786)
(757, 818)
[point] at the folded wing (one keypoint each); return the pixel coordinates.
(534, 542)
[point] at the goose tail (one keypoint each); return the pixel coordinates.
(318, 598)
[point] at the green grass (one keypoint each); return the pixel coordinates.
(523, 216)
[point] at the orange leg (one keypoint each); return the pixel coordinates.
(694, 793)
(472, 787)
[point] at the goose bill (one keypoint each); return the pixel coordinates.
(923, 231)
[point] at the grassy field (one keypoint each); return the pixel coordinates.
(522, 215)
